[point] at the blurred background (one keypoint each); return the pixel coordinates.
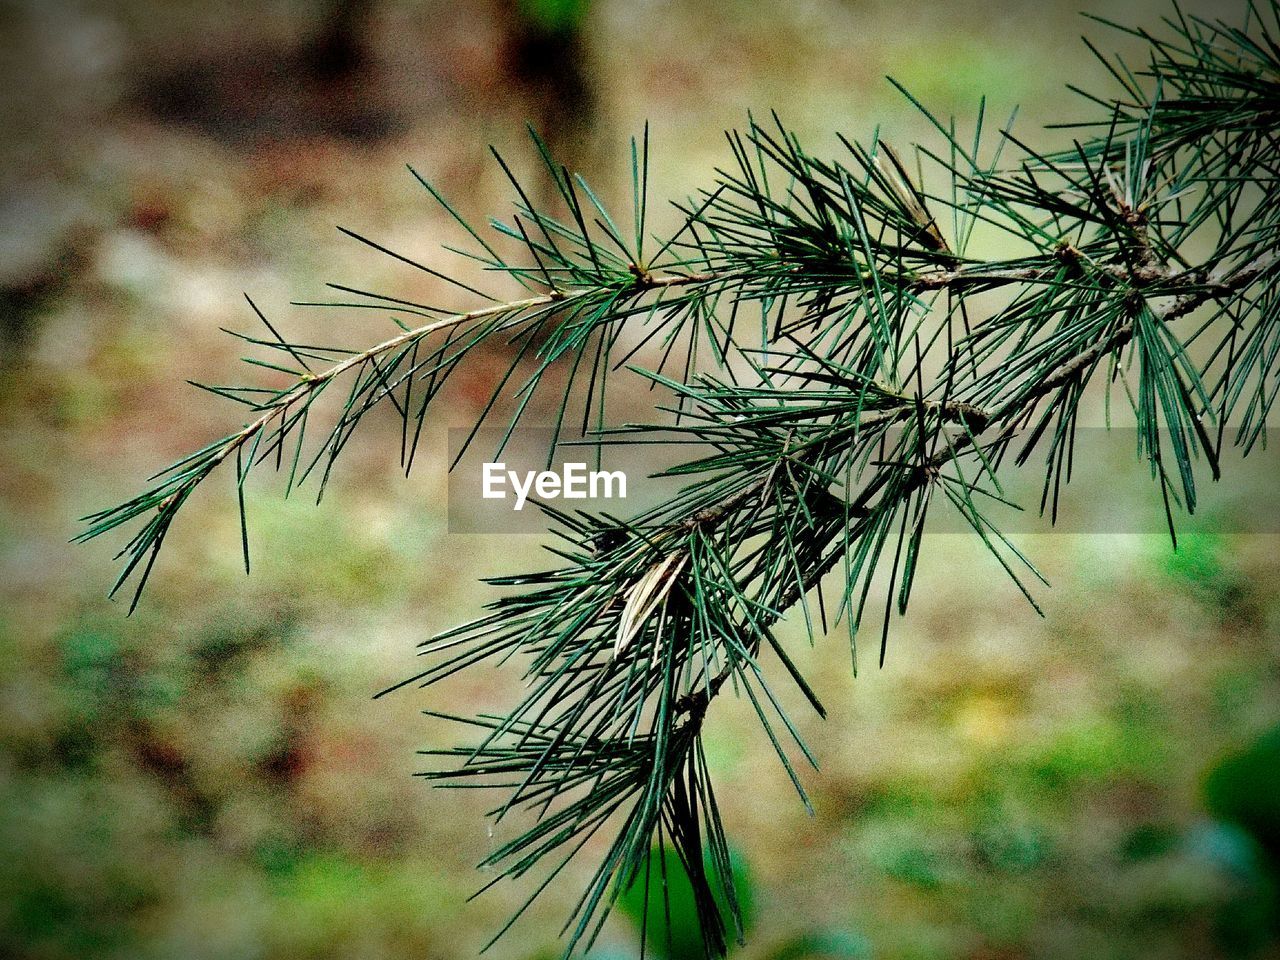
(211, 778)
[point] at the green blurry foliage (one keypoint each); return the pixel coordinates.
(1148, 841)
(1201, 564)
(163, 798)
(674, 932)
(1094, 751)
(555, 15)
(1246, 910)
(1244, 789)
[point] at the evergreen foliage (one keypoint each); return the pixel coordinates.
(849, 362)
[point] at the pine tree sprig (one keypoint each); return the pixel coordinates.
(846, 359)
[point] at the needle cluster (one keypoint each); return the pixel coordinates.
(852, 342)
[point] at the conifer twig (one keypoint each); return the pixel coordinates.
(892, 373)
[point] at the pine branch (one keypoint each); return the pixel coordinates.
(893, 374)
(181, 479)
